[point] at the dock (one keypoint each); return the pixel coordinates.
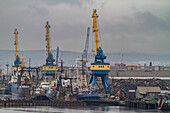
(141, 104)
(10, 103)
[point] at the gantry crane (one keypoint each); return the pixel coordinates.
(49, 69)
(99, 68)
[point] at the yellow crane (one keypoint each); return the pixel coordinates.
(49, 69)
(17, 63)
(99, 68)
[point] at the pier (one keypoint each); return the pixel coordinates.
(10, 103)
(141, 104)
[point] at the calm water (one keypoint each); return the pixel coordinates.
(98, 109)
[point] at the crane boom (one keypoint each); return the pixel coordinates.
(47, 26)
(87, 39)
(16, 43)
(85, 52)
(95, 16)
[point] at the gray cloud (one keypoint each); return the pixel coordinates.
(143, 32)
(55, 2)
(41, 11)
(124, 26)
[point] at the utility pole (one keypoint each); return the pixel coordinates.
(29, 66)
(7, 70)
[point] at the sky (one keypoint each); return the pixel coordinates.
(125, 25)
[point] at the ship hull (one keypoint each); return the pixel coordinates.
(16, 90)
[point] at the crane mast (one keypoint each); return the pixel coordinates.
(16, 43)
(47, 26)
(95, 16)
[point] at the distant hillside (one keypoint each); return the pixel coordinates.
(38, 57)
(141, 58)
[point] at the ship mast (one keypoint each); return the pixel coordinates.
(47, 38)
(22, 61)
(95, 16)
(16, 43)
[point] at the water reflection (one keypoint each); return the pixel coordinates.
(90, 109)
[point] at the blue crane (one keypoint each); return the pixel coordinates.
(85, 52)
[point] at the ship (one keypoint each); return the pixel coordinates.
(16, 90)
(19, 88)
(19, 84)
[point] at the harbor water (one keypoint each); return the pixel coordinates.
(75, 109)
(94, 109)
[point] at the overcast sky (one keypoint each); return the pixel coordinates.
(125, 25)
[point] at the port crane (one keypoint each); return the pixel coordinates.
(49, 69)
(85, 52)
(84, 59)
(17, 63)
(99, 68)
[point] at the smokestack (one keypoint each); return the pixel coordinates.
(150, 64)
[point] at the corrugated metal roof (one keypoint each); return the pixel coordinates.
(144, 90)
